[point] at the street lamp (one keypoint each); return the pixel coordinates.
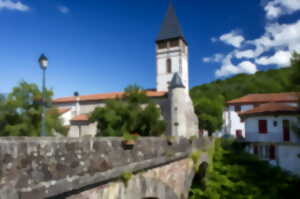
(43, 61)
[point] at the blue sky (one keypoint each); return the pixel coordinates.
(97, 46)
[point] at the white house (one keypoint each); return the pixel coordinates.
(233, 124)
(170, 94)
(268, 129)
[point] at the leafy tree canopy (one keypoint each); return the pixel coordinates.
(20, 112)
(133, 113)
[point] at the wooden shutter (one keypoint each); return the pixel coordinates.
(272, 152)
(238, 133)
(262, 126)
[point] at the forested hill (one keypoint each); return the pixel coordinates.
(209, 99)
(271, 81)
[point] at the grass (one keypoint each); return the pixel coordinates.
(239, 175)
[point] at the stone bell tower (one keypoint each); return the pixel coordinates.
(171, 53)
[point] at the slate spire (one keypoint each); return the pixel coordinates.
(170, 28)
(176, 81)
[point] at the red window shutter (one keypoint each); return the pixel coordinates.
(262, 126)
(272, 152)
(238, 133)
(255, 149)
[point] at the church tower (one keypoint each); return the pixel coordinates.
(171, 53)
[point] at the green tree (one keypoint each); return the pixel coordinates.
(20, 112)
(209, 112)
(133, 113)
(295, 82)
(295, 66)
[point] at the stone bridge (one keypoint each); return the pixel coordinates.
(98, 168)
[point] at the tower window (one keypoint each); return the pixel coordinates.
(169, 66)
(162, 44)
(174, 43)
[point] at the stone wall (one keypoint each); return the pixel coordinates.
(67, 167)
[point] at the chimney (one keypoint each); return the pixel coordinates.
(77, 105)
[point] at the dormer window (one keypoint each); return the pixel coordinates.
(169, 66)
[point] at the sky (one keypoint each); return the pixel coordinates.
(97, 46)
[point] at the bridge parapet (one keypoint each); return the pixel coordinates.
(63, 167)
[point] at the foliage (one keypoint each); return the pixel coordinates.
(128, 137)
(21, 112)
(195, 157)
(134, 113)
(239, 175)
(295, 66)
(209, 99)
(126, 176)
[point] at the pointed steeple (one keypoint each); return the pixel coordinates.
(176, 82)
(170, 28)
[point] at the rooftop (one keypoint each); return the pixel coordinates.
(104, 96)
(271, 108)
(63, 110)
(266, 97)
(81, 117)
(170, 28)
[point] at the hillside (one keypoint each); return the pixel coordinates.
(209, 99)
(271, 81)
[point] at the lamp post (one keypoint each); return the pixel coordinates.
(43, 61)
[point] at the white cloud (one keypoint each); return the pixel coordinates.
(228, 68)
(13, 5)
(215, 58)
(280, 58)
(63, 9)
(279, 37)
(232, 38)
(244, 54)
(276, 8)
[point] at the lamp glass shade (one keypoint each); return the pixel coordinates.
(43, 60)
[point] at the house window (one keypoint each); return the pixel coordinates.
(255, 149)
(237, 108)
(275, 123)
(169, 66)
(262, 126)
(241, 120)
(272, 154)
(256, 105)
(238, 133)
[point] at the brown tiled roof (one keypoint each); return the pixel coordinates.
(63, 110)
(271, 108)
(267, 97)
(81, 117)
(104, 96)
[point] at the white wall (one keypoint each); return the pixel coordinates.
(183, 120)
(66, 117)
(288, 157)
(82, 129)
(274, 134)
(232, 121)
(179, 59)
